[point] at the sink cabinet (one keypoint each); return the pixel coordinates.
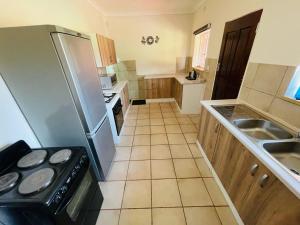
(259, 197)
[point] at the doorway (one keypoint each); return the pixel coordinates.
(236, 46)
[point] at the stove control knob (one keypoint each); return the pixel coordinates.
(68, 180)
(57, 198)
(64, 189)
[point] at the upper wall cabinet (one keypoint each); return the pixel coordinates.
(104, 49)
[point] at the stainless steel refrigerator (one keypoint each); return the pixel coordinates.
(51, 73)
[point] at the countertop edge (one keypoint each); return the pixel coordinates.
(179, 77)
(117, 88)
(284, 176)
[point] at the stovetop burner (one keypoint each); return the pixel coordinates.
(8, 181)
(108, 97)
(37, 181)
(61, 156)
(32, 159)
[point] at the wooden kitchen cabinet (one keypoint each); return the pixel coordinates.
(209, 133)
(176, 92)
(258, 200)
(107, 50)
(157, 88)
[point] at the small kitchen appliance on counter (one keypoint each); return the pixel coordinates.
(49, 186)
(108, 81)
(192, 75)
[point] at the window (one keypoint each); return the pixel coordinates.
(293, 90)
(200, 46)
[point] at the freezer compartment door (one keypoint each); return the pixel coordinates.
(103, 147)
(78, 61)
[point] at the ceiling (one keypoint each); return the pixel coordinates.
(146, 7)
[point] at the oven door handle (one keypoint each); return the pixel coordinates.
(64, 205)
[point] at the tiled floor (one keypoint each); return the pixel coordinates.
(159, 176)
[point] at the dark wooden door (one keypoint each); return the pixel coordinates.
(236, 45)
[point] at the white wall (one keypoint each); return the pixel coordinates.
(13, 124)
(79, 15)
(277, 40)
(174, 32)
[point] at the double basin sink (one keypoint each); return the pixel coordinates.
(282, 144)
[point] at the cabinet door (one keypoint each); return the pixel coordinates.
(112, 51)
(211, 136)
(227, 151)
(270, 202)
(104, 49)
(203, 123)
(164, 88)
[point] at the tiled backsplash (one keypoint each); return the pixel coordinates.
(210, 77)
(264, 86)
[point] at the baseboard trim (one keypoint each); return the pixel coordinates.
(227, 198)
(160, 100)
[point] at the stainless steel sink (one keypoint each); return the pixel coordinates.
(288, 153)
(262, 129)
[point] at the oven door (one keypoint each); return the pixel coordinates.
(85, 203)
(118, 116)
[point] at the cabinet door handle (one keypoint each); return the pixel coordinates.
(254, 169)
(263, 180)
(216, 127)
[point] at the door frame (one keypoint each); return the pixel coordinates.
(230, 26)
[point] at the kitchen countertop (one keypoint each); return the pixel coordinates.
(116, 88)
(292, 182)
(179, 77)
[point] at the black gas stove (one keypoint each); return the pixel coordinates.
(51, 186)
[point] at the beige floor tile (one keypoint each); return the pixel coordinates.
(203, 168)
(131, 116)
(139, 170)
(184, 120)
(108, 217)
(226, 216)
(137, 194)
(127, 130)
(160, 152)
(195, 150)
(165, 193)
(158, 129)
(180, 115)
(125, 141)
(113, 193)
(175, 139)
(143, 139)
(170, 121)
(155, 122)
(130, 122)
(201, 216)
(180, 151)
(140, 152)
(167, 110)
(195, 119)
(185, 168)
(118, 171)
(143, 122)
(189, 128)
(215, 192)
(173, 129)
(159, 139)
(143, 116)
(135, 217)
(168, 216)
(162, 169)
(155, 115)
(143, 111)
(193, 192)
(190, 137)
(168, 115)
(142, 130)
(155, 110)
(122, 153)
